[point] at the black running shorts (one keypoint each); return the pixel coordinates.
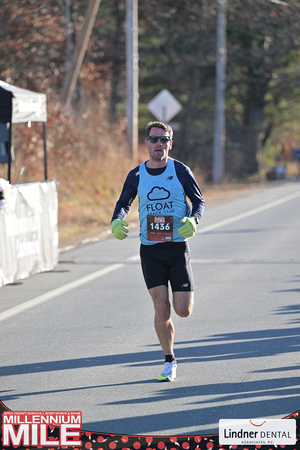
(167, 262)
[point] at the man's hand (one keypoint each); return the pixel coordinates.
(118, 229)
(189, 228)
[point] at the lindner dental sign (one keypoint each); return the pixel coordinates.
(257, 432)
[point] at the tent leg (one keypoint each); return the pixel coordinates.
(9, 173)
(45, 151)
(9, 152)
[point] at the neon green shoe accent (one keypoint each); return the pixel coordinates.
(165, 378)
(169, 372)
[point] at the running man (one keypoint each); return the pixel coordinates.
(166, 222)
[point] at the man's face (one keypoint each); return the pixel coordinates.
(158, 151)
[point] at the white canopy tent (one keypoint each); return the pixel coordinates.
(18, 105)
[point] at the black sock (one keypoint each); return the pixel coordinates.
(169, 358)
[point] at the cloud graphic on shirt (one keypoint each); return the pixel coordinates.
(158, 193)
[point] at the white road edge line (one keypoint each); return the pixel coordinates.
(249, 213)
(56, 292)
(67, 287)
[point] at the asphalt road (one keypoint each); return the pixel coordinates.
(81, 337)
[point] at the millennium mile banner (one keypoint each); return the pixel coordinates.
(63, 430)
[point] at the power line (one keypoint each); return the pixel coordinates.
(79, 52)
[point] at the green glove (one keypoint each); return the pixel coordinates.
(118, 229)
(189, 228)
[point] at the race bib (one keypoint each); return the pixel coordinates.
(160, 228)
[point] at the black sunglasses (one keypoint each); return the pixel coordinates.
(154, 139)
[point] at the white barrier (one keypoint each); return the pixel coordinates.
(28, 231)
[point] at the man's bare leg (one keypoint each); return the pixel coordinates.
(183, 303)
(162, 318)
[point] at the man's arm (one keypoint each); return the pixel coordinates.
(127, 196)
(191, 189)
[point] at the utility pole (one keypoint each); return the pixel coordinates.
(219, 132)
(132, 71)
(79, 52)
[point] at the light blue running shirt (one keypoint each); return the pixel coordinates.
(162, 205)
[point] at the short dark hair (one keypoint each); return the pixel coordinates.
(164, 126)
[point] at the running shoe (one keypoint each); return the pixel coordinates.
(169, 372)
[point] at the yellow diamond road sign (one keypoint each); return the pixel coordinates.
(164, 106)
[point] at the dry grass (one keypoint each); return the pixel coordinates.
(89, 159)
(81, 224)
